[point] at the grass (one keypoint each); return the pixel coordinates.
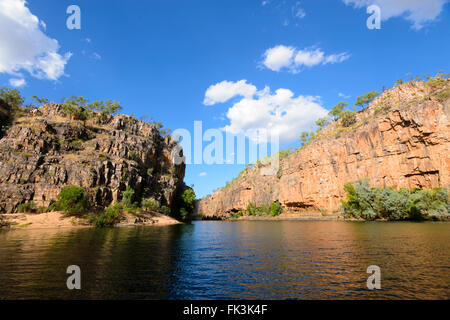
(25, 225)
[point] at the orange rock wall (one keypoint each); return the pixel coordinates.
(406, 144)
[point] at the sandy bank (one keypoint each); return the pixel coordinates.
(59, 220)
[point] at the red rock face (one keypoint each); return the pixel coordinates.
(400, 140)
(43, 152)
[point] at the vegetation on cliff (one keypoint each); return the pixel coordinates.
(273, 209)
(81, 157)
(371, 202)
(396, 137)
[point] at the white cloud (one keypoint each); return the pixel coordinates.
(96, 56)
(278, 57)
(336, 58)
(202, 174)
(279, 113)
(419, 12)
(24, 46)
(297, 11)
(342, 95)
(17, 82)
(309, 58)
(225, 90)
(295, 60)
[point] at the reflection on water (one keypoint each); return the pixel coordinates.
(230, 260)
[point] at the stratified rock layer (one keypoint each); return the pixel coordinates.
(44, 151)
(400, 140)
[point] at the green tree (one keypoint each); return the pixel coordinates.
(275, 208)
(337, 110)
(105, 108)
(128, 197)
(39, 100)
(364, 100)
(109, 217)
(304, 137)
(72, 200)
(186, 203)
(11, 97)
(76, 107)
(321, 123)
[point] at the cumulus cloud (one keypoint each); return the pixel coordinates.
(17, 82)
(280, 113)
(24, 45)
(225, 90)
(278, 57)
(418, 12)
(295, 60)
(202, 174)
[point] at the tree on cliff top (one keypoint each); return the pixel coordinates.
(11, 97)
(336, 111)
(105, 108)
(364, 100)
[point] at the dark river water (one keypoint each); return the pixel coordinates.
(230, 260)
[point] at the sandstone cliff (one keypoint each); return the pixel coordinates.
(43, 151)
(400, 140)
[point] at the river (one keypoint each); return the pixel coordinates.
(230, 260)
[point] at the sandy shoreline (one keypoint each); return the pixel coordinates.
(59, 220)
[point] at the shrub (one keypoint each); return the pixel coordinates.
(262, 210)
(444, 95)
(165, 209)
(72, 200)
(43, 209)
(28, 207)
(364, 201)
(348, 118)
(275, 208)
(134, 155)
(150, 204)
(251, 209)
(184, 214)
(128, 197)
(236, 215)
(109, 217)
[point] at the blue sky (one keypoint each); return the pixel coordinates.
(160, 57)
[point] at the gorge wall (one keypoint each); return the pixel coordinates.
(42, 151)
(400, 140)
